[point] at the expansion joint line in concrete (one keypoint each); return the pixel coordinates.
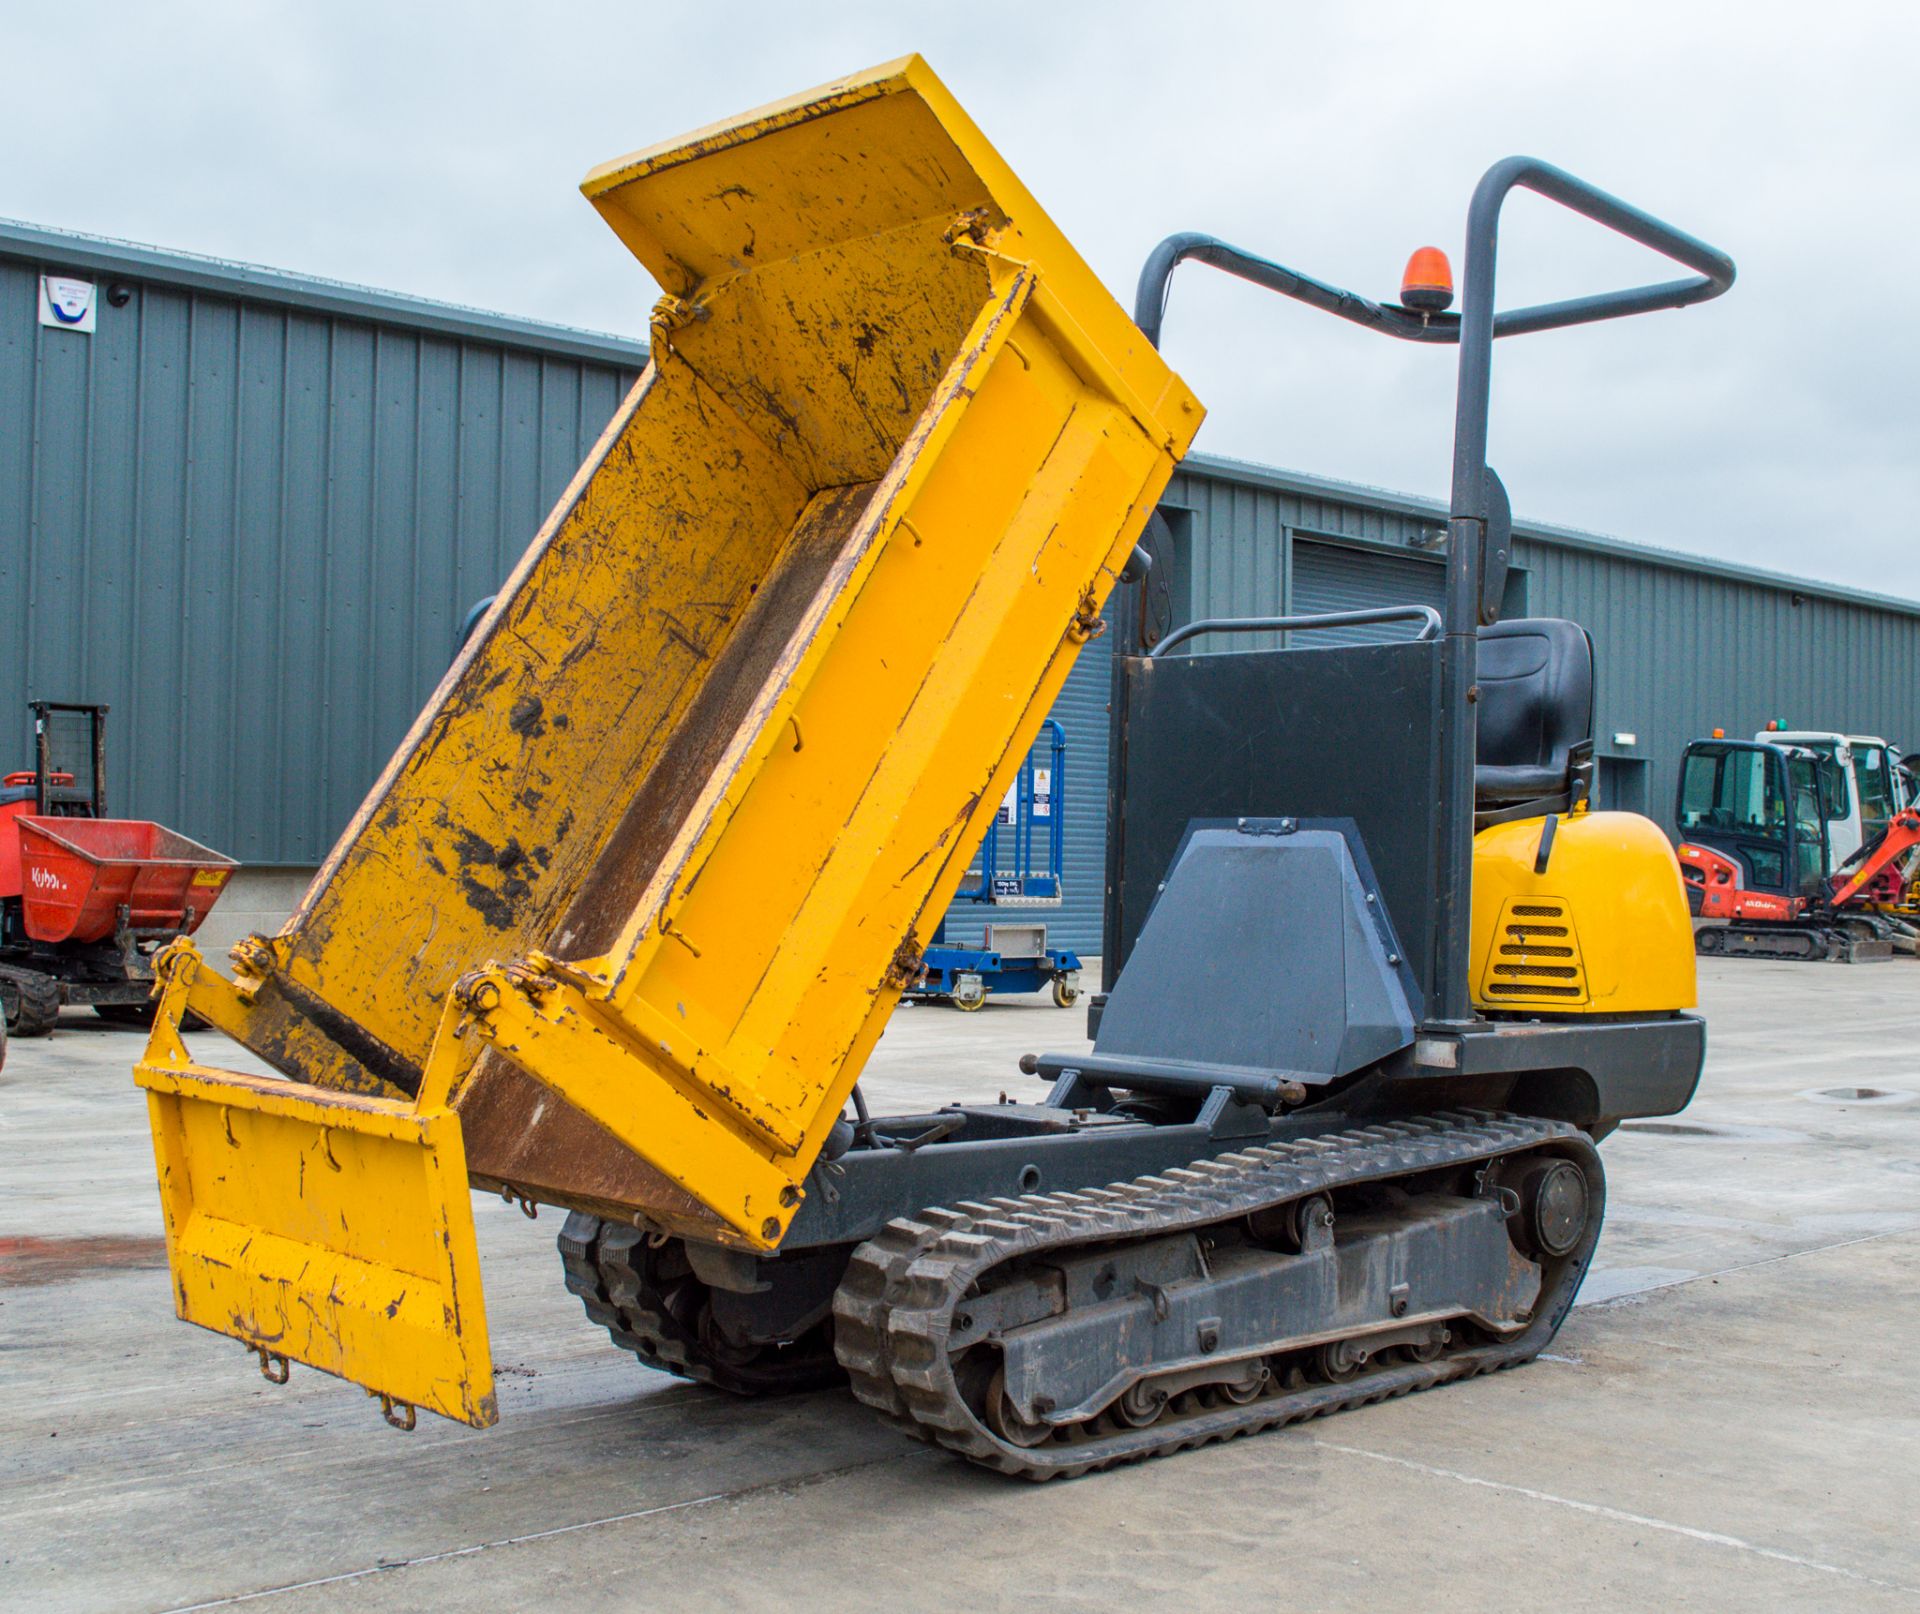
(1712, 1538)
(798, 1483)
(1747, 1266)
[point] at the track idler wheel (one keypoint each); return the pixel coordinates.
(1554, 1206)
(649, 1300)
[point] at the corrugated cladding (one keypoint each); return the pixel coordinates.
(249, 514)
(1683, 645)
(1681, 653)
(250, 511)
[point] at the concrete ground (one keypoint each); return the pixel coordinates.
(1730, 1420)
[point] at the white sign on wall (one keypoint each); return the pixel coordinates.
(67, 305)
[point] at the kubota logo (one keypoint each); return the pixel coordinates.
(47, 880)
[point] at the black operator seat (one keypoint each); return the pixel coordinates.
(1534, 719)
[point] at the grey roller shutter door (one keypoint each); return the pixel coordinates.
(1341, 577)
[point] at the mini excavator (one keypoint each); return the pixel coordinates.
(1755, 856)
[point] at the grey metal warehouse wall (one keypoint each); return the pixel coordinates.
(249, 512)
(1683, 644)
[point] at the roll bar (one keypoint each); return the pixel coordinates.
(1425, 615)
(1715, 268)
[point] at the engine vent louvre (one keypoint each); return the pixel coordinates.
(1535, 957)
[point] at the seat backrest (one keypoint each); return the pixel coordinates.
(1536, 693)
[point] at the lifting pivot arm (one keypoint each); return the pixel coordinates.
(1900, 837)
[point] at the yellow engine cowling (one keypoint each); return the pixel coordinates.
(1603, 929)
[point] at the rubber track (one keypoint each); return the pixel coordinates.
(608, 1267)
(33, 1001)
(1823, 944)
(892, 1312)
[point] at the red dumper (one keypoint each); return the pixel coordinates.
(85, 900)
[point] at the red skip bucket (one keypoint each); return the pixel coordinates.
(77, 873)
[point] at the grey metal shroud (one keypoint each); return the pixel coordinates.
(1269, 952)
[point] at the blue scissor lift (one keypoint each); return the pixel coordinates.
(1013, 956)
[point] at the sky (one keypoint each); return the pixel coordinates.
(437, 149)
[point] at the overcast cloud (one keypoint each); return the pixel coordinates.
(436, 150)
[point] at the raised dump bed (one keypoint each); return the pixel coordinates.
(77, 874)
(622, 919)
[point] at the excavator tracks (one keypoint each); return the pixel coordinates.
(1812, 944)
(895, 1311)
(649, 1300)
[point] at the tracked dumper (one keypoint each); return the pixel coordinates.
(621, 922)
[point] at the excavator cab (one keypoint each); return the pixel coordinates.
(1876, 782)
(1859, 775)
(1763, 808)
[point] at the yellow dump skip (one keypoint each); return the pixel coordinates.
(647, 876)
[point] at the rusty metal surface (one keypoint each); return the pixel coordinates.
(562, 1156)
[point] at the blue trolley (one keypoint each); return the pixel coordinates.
(1021, 863)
